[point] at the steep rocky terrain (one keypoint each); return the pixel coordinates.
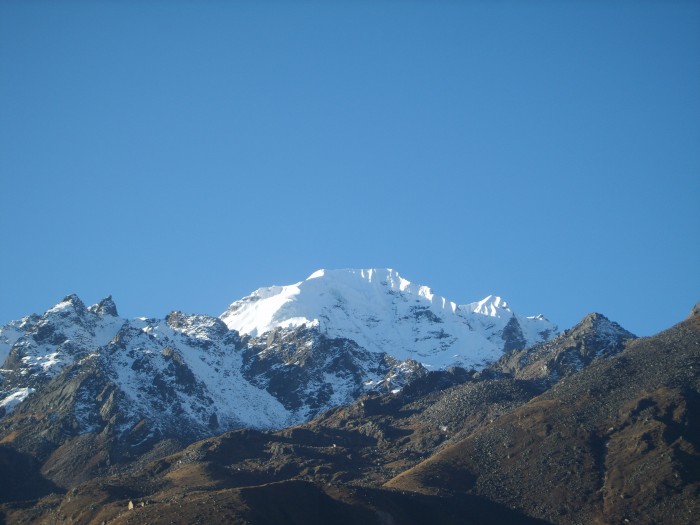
(617, 442)
(546, 363)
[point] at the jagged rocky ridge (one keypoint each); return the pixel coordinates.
(595, 336)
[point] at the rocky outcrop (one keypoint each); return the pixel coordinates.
(546, 363)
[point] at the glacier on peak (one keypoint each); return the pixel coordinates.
(384, 312)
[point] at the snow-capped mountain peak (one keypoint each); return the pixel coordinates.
(70, 303)
(384, 312)
(492, 306)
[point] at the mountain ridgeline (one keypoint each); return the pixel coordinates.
(273, 359)
(367, 397)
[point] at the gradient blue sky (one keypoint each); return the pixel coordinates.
(178, 155)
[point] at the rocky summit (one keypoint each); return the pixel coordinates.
(353, 396)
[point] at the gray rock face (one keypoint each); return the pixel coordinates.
(512, 336)
(310, 372)
(105, 307)
(594, 337)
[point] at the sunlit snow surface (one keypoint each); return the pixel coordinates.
(383, 312)
(15, 398)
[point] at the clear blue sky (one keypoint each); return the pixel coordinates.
(178, 155)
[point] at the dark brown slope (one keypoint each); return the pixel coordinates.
(325, 471)
(339, 458)
(287, 502)
(618, 442)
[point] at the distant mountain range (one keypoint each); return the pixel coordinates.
(275, 358)
(354, 378)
